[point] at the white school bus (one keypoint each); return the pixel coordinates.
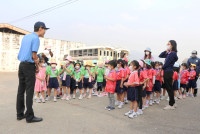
(99, 53)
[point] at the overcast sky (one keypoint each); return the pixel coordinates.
(133, 24)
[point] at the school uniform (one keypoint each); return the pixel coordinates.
(150, 76)
(100, 76)
(158, 81)
(106, 70)
(175, 78)
(141, 92)
(192, 80)
(53, 81)
(77, 74)
(110, 87)
(184, 78)
(87, 80)
(127, 71)
(66, 82)
(132, 92)
(120, 75)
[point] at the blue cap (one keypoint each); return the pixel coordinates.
(40, 24)
(148, 49)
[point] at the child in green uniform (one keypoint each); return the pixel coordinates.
(88, 78)
(77, 76)
(100, 75)
(52, 80)
(67, 72)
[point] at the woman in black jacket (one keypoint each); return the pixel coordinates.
(171, 57)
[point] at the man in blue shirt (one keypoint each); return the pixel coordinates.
(26, 74)
(194, 60)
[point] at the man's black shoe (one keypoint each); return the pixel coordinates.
(35, 119)
(20, 118)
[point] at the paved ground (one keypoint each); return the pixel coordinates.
(89, 116)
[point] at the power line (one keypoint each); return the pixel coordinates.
(45, 10)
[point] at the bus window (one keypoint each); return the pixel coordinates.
(104, 53)
(110, 53)
(107, 53)
(72, 53)
(75, 53)
(118, 55)
(100, 52)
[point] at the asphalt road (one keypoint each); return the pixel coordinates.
(90, 117)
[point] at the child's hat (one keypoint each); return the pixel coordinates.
(62, 63)
(141, 63)
(193, 65)
(88, 63)
(100, 64)
(69, 58)
(53, 61)
(176, 65)
(77, 63)
(148, 62)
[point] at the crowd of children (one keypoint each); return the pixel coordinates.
(139, 82)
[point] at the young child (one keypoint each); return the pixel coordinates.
(141, 87)
(119, 85)
(60, 79)
(40, 83)
(149, 82)
(163, 88)
(77, 76)
(127, 72)
(100, 74)
(52, 80)
(132, 92)
(175, 79)
(88, 78)
(192, 81)
(153, 69)
(106, 70)
(158, 81)
(111, 84)
(66, 81)
(184, 79)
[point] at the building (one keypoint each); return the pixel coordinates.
(99, 53)
(10, 41)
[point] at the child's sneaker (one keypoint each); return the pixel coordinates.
(84, 95)
(64, 97)
(111, 108)
(38, 100)
(74, 97)
(43, 100)
(89, 97)
(157, 101)
(184, 96)
(146, 106)
(95, 94)
(47, 98)
(139, 112)
(162, 98)
(106, 93)
(169, 107)
(167, 99)
(180, 97)
(81, 97)
(120, 106)
(35, 97)
(133, 115)
(143, 108)
(100, 95)
(68, 98)
(187, 95)
(107, 108)
(128, 113)
(55, 100)
(150, 102)
(175, 98)
(192, 95)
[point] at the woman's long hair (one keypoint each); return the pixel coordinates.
(174, 45)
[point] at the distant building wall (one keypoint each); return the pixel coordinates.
(10, 45)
